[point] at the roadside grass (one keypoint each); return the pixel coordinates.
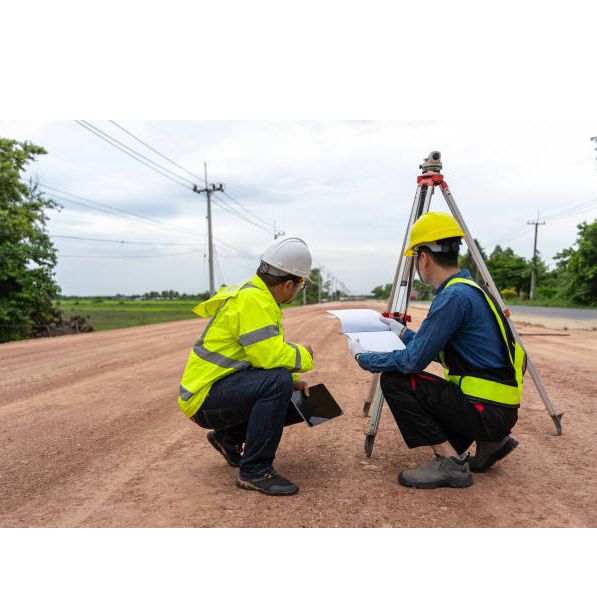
(111, 314)
(547, 302)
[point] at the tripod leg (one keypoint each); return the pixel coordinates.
(371, 432)
(555, 417)
(476, 255)
(370, 394)
(398, 301)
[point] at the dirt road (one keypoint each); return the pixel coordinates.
(92, 437)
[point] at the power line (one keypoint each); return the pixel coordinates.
(179, 254)
(143, 159)
(126, 149)
(571, 211)
(156, 151)
(130, 152)
(131, 213)
(104, 207)
(249, 212)
(124, 242)
(235, 212)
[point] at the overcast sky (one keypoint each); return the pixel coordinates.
(345, 187)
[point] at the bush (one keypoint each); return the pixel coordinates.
(508, 293)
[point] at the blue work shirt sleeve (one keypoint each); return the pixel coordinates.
(445, 316)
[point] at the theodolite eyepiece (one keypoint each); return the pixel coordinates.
(432, 163)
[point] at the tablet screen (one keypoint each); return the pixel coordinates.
(318, 408)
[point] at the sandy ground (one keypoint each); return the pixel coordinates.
(92, 437)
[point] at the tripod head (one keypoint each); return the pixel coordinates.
(433, 163)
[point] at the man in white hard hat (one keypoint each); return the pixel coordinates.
(241, 373)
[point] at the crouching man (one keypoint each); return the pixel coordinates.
(465, 329)
(241, 373)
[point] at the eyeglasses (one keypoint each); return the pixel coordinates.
(301, 283)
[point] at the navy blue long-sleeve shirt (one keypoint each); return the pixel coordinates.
(459, 316)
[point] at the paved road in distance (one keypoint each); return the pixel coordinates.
(564, 313)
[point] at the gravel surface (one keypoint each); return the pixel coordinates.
(92, 437)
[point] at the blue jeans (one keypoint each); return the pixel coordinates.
(250, 406)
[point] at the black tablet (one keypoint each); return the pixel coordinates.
(318, 408)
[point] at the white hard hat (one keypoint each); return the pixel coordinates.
(288, 256)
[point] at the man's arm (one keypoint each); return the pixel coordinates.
(263, 340)
(443, 320)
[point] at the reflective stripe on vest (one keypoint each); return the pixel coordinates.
(215, 357)
(184, 394)
(486, 389)
(297, 364)
(269, 331)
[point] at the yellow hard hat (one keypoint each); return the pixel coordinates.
(430, 228)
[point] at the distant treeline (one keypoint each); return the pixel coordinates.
(154, 295)
(573, 281)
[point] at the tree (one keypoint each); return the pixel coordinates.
(313, 287)
(382, 292)
(467, 261)
(27, 255)
(509, 270)
(578, 267)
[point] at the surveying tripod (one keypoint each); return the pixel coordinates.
(430, 178)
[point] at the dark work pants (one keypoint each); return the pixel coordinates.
(429, 411)
(250, 406)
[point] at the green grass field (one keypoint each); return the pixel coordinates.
(112, 314)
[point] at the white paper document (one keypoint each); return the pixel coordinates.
(364, 325)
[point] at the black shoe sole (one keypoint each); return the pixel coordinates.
(220, 448)
(434, 484)
(486, 464)
(244, 484)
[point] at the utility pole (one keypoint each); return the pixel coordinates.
(208, 190)
(319, 286)
(536, 223)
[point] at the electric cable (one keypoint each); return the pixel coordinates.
(243, 207)
(125, 149)
(124, 242)
(157, 152)
(231, 210)
(105, 206)
(127, 256)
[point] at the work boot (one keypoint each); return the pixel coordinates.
(231, 452)
(488, 453)
(271, 483)
(440, 472)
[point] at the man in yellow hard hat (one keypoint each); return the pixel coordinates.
(241, 373)
(466, 331)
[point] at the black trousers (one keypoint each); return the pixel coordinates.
(429, 411)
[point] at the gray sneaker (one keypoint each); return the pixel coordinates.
(440, 472)
(488, 453)
(271, 483)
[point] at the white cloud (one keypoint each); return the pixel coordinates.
(345, 186)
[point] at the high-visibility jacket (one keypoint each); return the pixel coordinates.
(503, 386)
(245, 331)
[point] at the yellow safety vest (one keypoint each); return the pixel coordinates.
(507, 392)
(245, 331)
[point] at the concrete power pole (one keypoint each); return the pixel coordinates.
(208, 190)
(536, 223)
(319, 287)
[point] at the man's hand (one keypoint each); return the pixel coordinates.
(303, 386)
(393, 325)
(309, 349)
(355, 347)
